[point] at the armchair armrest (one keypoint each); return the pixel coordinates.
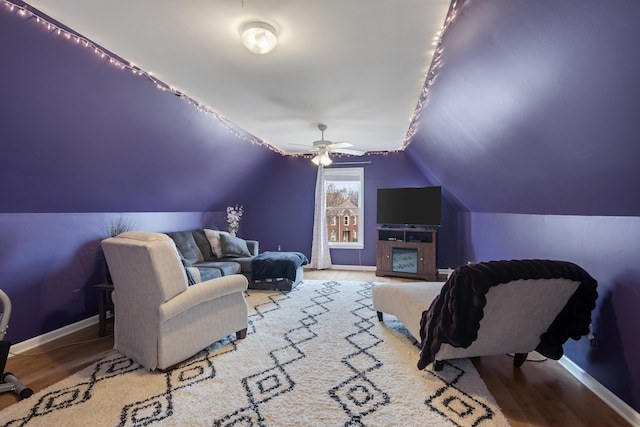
(201, 292)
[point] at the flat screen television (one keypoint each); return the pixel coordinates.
(415, 206)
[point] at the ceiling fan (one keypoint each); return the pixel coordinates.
(323, 147)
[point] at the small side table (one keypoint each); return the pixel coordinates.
(105, 305)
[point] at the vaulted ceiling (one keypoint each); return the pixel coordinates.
(357, 66)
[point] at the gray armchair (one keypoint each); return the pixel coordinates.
(160, 320)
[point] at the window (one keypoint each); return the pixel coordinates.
(345, 189)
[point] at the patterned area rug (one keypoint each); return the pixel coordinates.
(315, 356)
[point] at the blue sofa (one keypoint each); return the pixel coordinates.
(210, 253)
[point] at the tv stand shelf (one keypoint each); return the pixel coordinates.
(406, 252)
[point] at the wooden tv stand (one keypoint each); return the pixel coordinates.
(406, 252)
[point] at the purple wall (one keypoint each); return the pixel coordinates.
(535, 108)
(608, 248)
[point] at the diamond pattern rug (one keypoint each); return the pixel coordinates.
(315, 356)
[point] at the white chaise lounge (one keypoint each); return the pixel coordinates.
(497, 307)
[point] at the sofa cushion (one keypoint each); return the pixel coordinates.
(186, 244)
(214, 240)
(233, 246)
(245, 263)
(225, 267)
(208, 273)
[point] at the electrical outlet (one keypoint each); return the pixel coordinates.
(593, 338)
(75, 295)
(279, 248)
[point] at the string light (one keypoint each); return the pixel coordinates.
(26, 10)
(432, 73)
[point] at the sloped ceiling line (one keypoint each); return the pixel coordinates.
(362, 78)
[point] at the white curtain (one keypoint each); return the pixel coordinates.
(320, 254)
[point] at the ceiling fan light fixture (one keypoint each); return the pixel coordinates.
(259, 37)
(322, 159)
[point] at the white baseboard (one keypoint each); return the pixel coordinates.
(441, 271)
(348, 267)
(34, 342)
(617, 404)
(354, 267)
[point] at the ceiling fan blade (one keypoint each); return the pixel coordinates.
(342, 144)
(347, 151)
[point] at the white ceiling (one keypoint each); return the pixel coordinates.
(356, 65)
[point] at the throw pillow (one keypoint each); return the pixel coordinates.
(203, 243)
(214, 240)
(233, 246)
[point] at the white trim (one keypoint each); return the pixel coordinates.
(345, 245)
(354, 267)
(34, 342)
(347, 267)
(614, 402)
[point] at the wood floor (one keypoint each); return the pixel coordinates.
(537, 394)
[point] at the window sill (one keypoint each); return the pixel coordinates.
(346, 246)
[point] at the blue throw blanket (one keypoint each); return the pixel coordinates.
(276, 265)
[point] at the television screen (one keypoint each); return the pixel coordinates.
(416, 206)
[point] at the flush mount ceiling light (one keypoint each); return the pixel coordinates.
(259, 37)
